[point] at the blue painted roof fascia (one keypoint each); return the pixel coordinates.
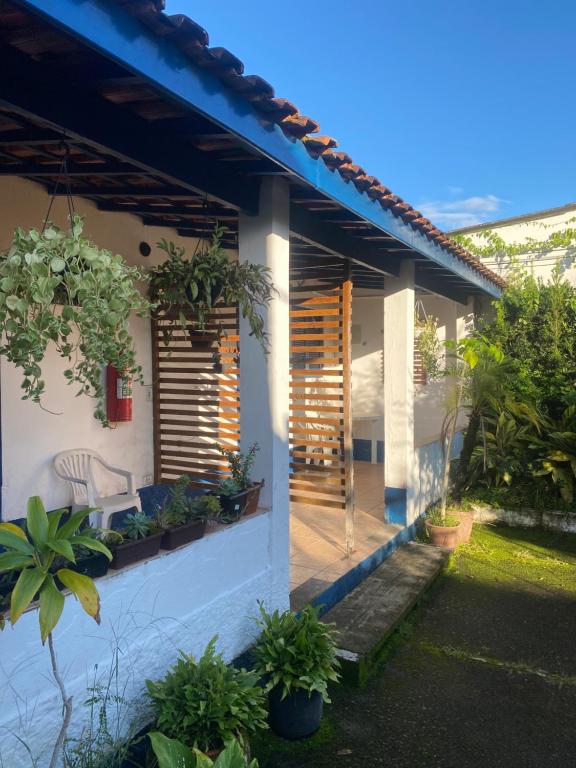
(107, 27)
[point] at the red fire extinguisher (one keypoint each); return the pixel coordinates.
(118, 395)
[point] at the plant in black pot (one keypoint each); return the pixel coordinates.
(182, 518)
(140, 540)
(187, 290)
(238, 494)
(207, 703)
(296, 657)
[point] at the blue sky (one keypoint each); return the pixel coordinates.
(465, 109)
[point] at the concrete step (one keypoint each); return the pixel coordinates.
(370, 613)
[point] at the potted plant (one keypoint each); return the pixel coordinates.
(442, 530)
(296, 656)
(140, 540)
(97, 293)
(187, 290)
(238, 494)
(171, 753)
(31, 555)
(206, 703)
(183, 519)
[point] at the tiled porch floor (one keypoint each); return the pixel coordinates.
(317, 534)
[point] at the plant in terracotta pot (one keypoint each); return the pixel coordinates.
(183, 518)
(206, 703)
(96, 293)
(171, 753)
(296, 656)
(140, 539)
(188, 289)
(239, 494)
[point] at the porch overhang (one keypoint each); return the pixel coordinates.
(383, 239)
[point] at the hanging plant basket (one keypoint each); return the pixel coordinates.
(96, 293)
(187, 291)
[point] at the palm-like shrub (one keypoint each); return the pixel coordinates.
(558, 454)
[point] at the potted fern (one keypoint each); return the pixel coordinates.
(296, 657)
(238, 494)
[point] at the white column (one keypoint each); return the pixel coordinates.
(465, 321)
(264, 379)
(399, 449)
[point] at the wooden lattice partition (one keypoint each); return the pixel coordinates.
(196, 398)
(320, 389)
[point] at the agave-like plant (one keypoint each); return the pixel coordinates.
(31, 554)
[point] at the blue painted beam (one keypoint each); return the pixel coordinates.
(106, 27)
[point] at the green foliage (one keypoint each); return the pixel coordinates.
(535, 326)
(428, 345)
(171, 753)
(207, 703)
(138, 525)
(207, 279)
(240, 465)
(296, 651)
(181, 509)
(205, 507)
(228, 487)
(558, 447)
(435, 517)
(97, 292)
(501, 456)
(32, 555)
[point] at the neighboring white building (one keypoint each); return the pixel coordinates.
(532, 228)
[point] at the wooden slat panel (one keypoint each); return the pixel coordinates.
(196, 406)
(317, 381)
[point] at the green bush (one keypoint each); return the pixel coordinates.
(207, 703)
(296, 652)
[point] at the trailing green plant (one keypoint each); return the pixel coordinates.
(171, 753)
(428, 345)
(207, 703)
(240, 465)
(97, 291)
(138, 525)
(182, 286)
(296, 651)
(31, 554)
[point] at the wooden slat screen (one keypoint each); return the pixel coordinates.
(320, 423)
(196, 405)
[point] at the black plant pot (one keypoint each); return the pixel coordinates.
(178, 535)
(243, 503)
(94, 565)
(133, 551)
(297, 716)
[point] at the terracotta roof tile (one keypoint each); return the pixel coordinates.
(190, 38)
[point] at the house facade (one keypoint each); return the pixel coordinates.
(543, 228)
(166, 136)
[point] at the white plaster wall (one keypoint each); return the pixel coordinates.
(32, 436)
(428, 471)
(368, 365)
(539, 228)
(177, 600)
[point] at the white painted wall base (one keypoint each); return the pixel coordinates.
(549, 519)
(177, 600)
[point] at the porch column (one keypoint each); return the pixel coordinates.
(399, 449)
(264, 390)
(465, 321)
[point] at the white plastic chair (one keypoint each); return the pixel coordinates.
(75, 466)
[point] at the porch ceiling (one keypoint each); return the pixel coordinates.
(137, 148)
